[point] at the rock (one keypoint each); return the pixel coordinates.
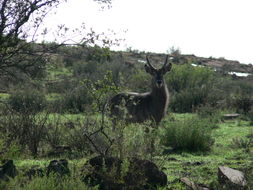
(232, 178)
(113, 173)
(58, 167)
(144, 168)
(70, 125)
(192, 185)
(34, 171)
(8, 169)
(231, 116)
(110, 162)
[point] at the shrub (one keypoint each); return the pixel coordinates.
(83, 68)
(28, 129)
(76, 100)
(186, 76)
(98, 54)
(190, 87)
(210, 113)
(27, 101)
(243, 143)
(189, 99)
(242, 103)
(250, 117)
(189, 135)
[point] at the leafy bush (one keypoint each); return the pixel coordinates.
(61, 86)
(244, 143)
(76, 100)
(211, 113)
(83, 68)
(186, 76)
(189, 135)
(190, 87)
(27, 101)
(98, 54)
(250, 117)
(9, 150)
(28, 129)
(189, 99)
(242, 103)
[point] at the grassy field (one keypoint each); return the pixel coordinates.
(230, 149)
(203, 168)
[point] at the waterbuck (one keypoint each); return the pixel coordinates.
(144, 106)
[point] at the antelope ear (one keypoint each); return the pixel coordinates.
(148, 69)
(166, 68)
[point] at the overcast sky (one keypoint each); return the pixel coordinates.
(218, 28)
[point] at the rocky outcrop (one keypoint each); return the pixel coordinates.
(192, 185)
(7, 170)
(59, 167)
(231, 178)
(113, 173)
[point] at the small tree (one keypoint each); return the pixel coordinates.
(19, 23)
(27, 128)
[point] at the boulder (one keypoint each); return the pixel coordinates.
(192, 185)
(34, 171)
(113, 173)
(59, 167)
(144, 169)
(232, 178)
(231, 116)
(8, 169)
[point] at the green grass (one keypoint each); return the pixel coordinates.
(55, 73)
(4, 95)
(52, 96)
(199, 167)
(203, 168)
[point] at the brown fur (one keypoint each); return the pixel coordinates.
(144, 106)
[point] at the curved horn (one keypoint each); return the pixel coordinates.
(166, 61)
(151, 66)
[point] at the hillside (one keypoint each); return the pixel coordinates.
(60, 113)
(217, 63)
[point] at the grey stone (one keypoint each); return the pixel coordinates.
(231, 177)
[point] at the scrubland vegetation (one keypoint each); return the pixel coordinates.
(55, 130)
(64, 107)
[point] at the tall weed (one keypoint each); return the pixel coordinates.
(192, 135)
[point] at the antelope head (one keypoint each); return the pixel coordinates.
(158, 80)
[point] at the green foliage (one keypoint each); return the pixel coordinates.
(100, 91)
(28, 129)
(75, 101)
(250, 117)
(210, 113)
(98, 54)
(85, 69)
(189, 135)
(45, 183)
(61, 86)
(9, 150)
(242, 142)
(28, 100)
(139, 81)
(189, 99)
(242, 103)
(190, 87)
(186, 76)
(85, 95)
